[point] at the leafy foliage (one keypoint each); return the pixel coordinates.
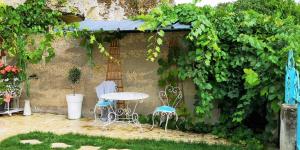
(237, 56)
(251, 77)
(284, 8)
(168, 69)
(34, 18)
(74, 77)
(16, 26)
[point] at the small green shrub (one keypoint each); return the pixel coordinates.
(74, 77)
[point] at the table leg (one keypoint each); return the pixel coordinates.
(135, 116)
(129, 115)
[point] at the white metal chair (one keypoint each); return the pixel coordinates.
(170, 98)
(105, 106)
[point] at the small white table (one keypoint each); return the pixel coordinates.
(125, 114)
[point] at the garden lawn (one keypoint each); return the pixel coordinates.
(76, 140)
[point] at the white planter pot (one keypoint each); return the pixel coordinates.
(74, 105)
(27, 109)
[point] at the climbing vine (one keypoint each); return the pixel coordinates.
(16, 27)
(20, 26)
(236, 57)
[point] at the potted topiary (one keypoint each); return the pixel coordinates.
(74, 100)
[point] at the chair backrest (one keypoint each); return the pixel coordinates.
(171, 96)
(106, 87)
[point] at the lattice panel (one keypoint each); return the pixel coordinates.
(114, 70)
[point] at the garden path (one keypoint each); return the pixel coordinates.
(17, 124)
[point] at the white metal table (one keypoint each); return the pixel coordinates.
(125, 114)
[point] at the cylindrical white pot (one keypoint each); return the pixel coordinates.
(74, 105)
(27, 109)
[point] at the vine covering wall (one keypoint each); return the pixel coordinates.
(237, 58)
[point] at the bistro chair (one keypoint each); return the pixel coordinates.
(170, 98)
(103, 105)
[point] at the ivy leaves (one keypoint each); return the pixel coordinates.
(187, 13)
(18, 24)
(161, 16)
(251, 78)
(155, 42)
(236, 56)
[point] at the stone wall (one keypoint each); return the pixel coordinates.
(97, 9)
(288, 117)
(49, 89)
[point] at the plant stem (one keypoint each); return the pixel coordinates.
(74, 90)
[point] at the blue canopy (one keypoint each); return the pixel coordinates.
(122, 25)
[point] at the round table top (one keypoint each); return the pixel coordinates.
(124, 96)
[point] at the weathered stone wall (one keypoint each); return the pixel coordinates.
(13, 3)
(104, 9)
(49, 90)
(97, 9)
(288, 117)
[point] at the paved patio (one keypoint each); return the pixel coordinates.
(58, 124)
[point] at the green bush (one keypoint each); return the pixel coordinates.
(236, 57)
(284, 8)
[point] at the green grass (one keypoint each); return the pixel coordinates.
(77, 140)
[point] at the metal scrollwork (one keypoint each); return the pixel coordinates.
(170, 98)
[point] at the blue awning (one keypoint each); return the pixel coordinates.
(122, 25)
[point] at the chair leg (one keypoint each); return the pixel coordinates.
(161, 119)
(167, 122)
(153, 117)
(95, 113)
(176, 118)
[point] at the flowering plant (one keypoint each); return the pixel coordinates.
(8, 72)
(9, 82)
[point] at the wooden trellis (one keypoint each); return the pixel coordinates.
(114, 70)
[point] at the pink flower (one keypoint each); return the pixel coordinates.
(7, 98)
(1, 64)
(8, 68)
(2, 71)
(14, 69)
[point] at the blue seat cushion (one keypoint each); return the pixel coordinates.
(165, 109)
(105, 103)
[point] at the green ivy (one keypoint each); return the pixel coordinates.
(34, 18)
(237, 57)
(16, 27)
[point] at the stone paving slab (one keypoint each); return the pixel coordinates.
(31, 141)
(117, 149)
(58, 124)
(89, 148)
(60, 145)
